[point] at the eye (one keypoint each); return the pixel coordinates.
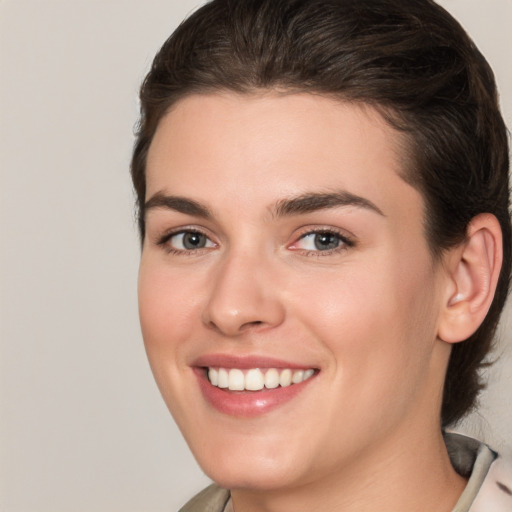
(322, 241)
(187, 241)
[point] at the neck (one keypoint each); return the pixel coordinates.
(395, 476)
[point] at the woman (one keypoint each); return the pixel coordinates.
(323, 205)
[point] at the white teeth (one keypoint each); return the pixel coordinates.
(213, 375)
(255, 379)
(298, 376)
(272, 378)
(223, 378)
(236, 380)
(285, 379)
(308, 373)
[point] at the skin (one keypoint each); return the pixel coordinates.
(364, 433)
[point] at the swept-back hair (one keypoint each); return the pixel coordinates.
(407, 58)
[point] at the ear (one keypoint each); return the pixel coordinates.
(473, 271)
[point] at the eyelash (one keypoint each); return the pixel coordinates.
(344, 242)
(165, 239)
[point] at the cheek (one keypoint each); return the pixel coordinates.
(358, 324)
(377, 322)
(166, 309)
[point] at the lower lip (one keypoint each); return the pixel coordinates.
(247, 403)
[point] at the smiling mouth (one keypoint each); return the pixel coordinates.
(256, 379)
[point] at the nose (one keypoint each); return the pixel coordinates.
(244, 296)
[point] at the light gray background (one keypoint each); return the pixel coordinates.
(82, 426)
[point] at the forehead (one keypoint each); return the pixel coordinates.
(262, 147)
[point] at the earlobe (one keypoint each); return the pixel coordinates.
(473, 268)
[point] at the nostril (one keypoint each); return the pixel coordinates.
(254, 323)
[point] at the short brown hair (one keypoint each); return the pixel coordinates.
(408, 58)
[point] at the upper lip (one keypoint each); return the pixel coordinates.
(245, 362)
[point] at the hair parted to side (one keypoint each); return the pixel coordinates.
(408, 58)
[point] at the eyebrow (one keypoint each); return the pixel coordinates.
(310, 202)
(178, 204)
(302, 204)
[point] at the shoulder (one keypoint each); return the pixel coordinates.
(211, 499)
(496, 490)
(489, 475)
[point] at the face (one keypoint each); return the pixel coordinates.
(288, 299)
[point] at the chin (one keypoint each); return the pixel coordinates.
(245, 469)
(251, 477)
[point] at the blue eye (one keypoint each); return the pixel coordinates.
(322, 241)
(188, 241)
